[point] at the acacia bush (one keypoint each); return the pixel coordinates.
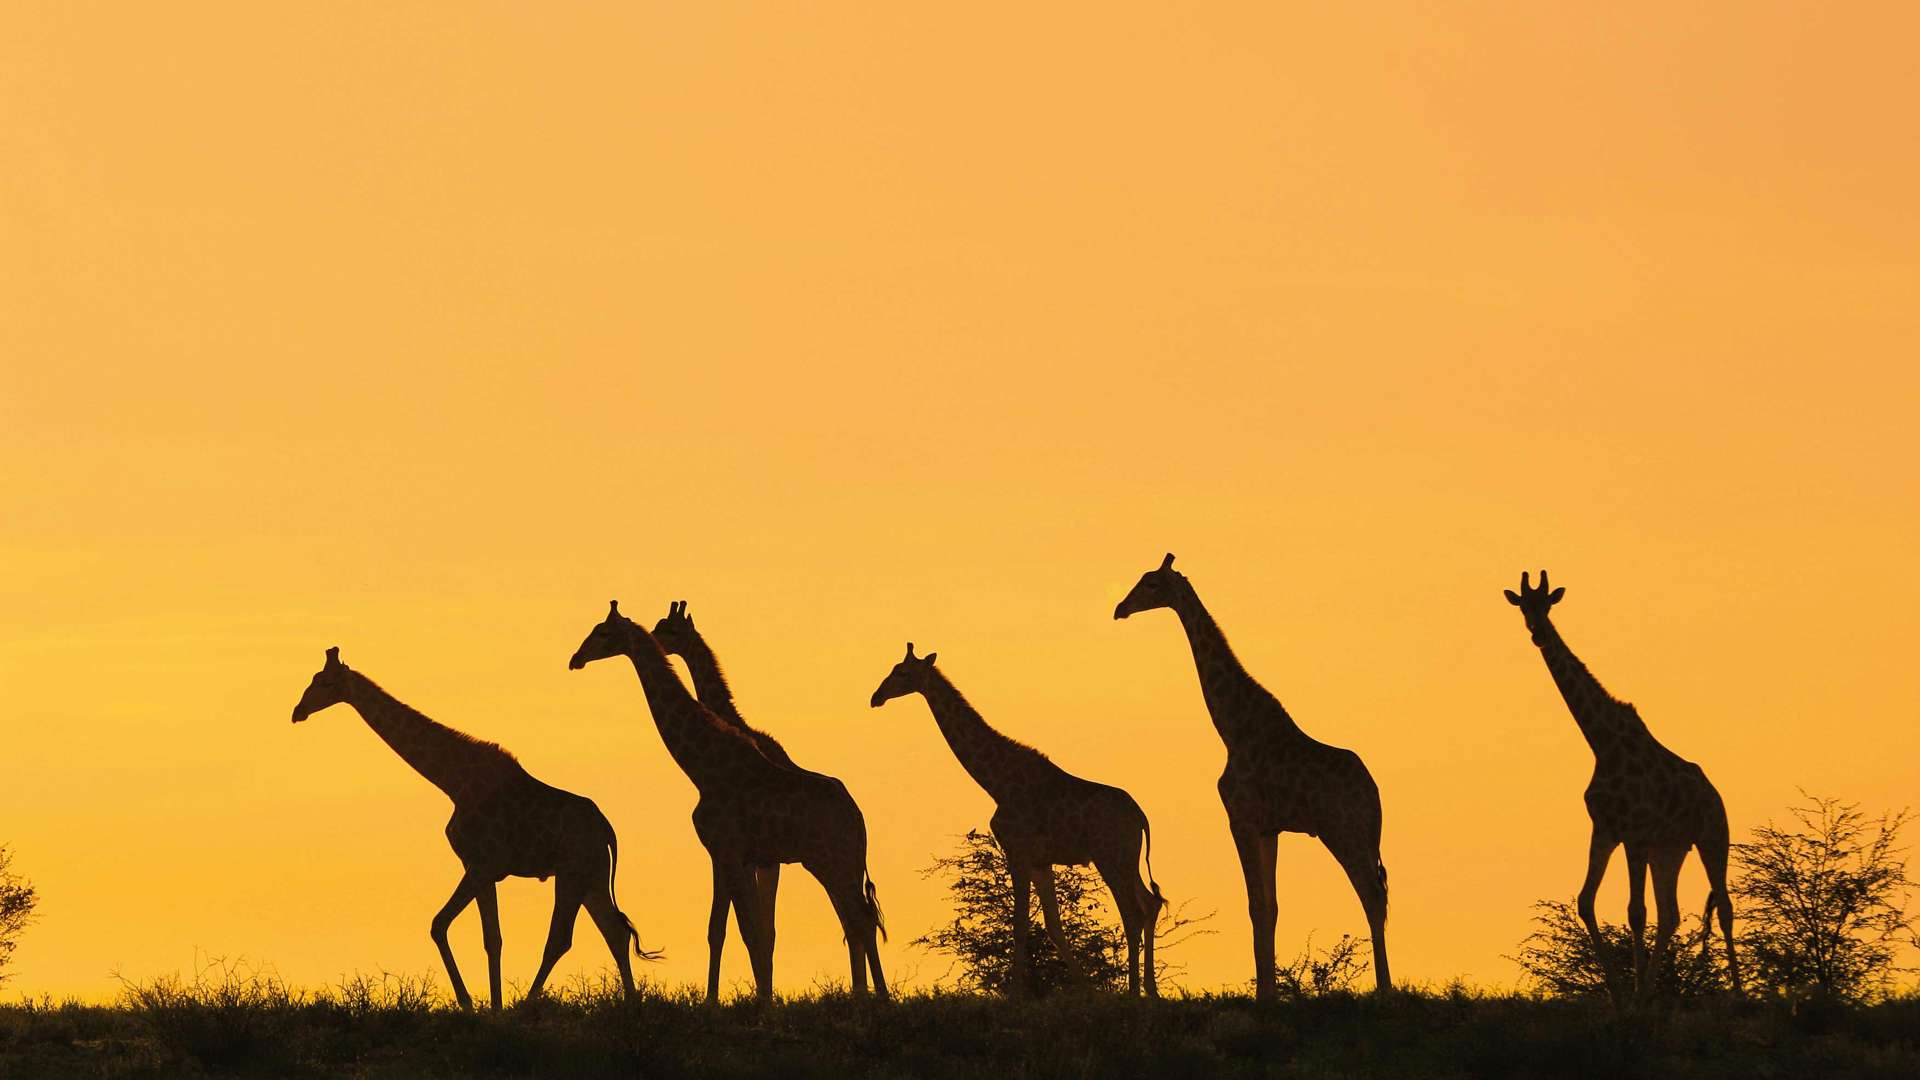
(979, 937)
(17, 900)
(1559, 960)
(1824, 904)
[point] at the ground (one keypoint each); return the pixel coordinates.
(394, 1029)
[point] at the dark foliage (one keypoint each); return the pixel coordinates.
(17, 900)
(1319, 972)
(1823, 906)
(1559, 959)
(980, 937)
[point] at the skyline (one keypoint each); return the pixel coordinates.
(424, 333)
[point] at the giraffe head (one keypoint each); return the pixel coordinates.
(610, 638)
(329, 687)
(675, 631)
(1157, 588)
(909, 676)
(1533, 603)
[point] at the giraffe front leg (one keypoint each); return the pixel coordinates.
(1599, 851)
(463, 894)
(766, 889)
(1666, 863)
(1257, 852)
(1637, 912)
(717, 931)
(1018, 986)
(488, 898)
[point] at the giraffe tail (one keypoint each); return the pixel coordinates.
(873, 908)
(1146, 835)
(613, 867)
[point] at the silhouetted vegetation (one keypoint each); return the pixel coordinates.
(1559, 960)
(238, 1024)
(1320, 972)
(17, 900)
(1824, 905)
(980, 937)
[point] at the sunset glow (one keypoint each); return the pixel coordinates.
(425, 331)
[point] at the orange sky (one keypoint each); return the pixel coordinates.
(425, 329)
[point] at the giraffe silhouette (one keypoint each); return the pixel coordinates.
(752, 815)
(1643, 795)
(505, 824)
(844, 824)
(1277, 779)
(1044, 817)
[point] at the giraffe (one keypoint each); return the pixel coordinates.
(1643, 795)
(752, 816)
(1277, 779)
(1044, 817)
(677, 636)
(505, 823)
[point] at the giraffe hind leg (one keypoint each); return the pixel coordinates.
(870, 899)
(1713, 856)
(569, 891)
(1126, 900)
(845, 892)
(1367, 874)
(1050, 912)
(616, 928)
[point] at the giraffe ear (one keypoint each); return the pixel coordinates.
(1554, 596)
(930, 658)
(333, 657)
(1167, 563)
(1512, 598)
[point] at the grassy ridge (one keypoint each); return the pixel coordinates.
(394, 1028)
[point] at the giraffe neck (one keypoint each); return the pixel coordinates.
(704, 746)
(1605, 721)
(1224, 683)
(709, 682)
(710, 686)
(460, 765)
(993, 760)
